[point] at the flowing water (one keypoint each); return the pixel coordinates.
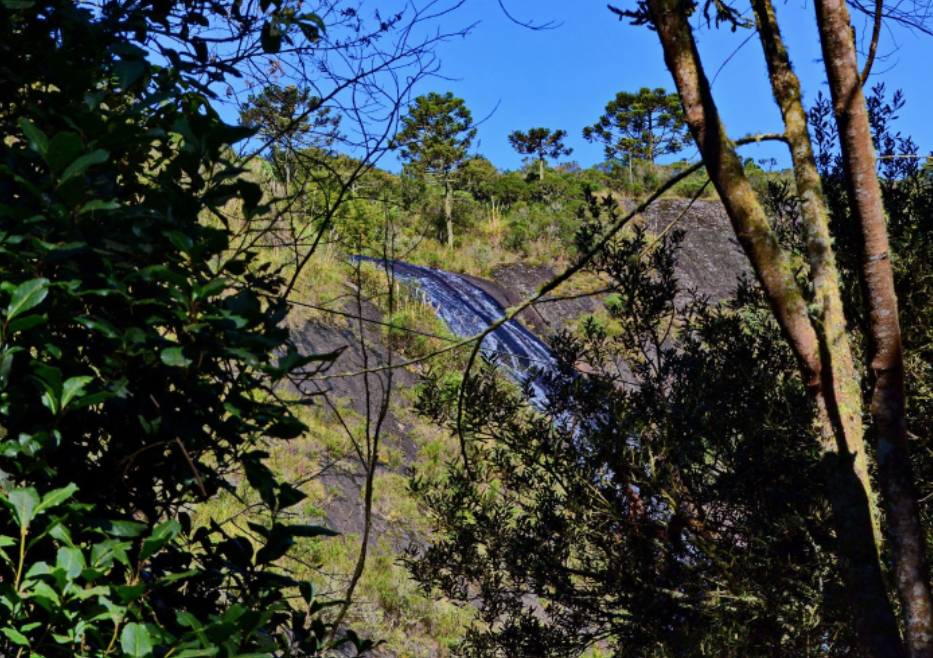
(467, 310)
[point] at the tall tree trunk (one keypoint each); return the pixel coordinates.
(449, 212)
(540, 168)
(856, 522)
(886, 361)
(288, 170)
(650, 140)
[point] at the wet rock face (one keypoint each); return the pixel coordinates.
(522, 280)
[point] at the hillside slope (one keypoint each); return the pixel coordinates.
(709, 262)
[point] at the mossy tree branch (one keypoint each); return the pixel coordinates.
(820, 346)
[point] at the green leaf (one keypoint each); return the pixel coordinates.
(307, 590)
(310, 31)
(180, 240)
(317, 20)
(311, 26)
(104, 553)
(187, 619)
(71, 560)
(128, 72)
(26, 323)
(121, 528)
(24, 503)
(56, 497)
(60, 532)
(130, 593)
(100, 325)
(270, 38)
(211, 288)
(38, 141)
(6, 367)
(289, 496)
(84, 594)
(80, 165)
(91, 400)
(161, 535)
(26, 296)
(311, 531)
(15, 636)
(227, 134)
(261, 479)
(175, 577)
(136, 640)
(38, 569)
(173, 356)
(98, 204)
(74, 387)
(44, 595)
(276, 547)
(62, 151)
(51, 390)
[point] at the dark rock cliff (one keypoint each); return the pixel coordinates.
(709, 262)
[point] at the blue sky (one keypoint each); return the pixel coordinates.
(562, 78)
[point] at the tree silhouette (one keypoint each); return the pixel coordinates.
(640, 126)
(290, 118)
(541, 143)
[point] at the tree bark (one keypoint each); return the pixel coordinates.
(773, 266)
(839, 427)
(886, 360)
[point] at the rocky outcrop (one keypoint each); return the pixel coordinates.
(709, 263)
(522, 280)
(710, 260)
(345, 477)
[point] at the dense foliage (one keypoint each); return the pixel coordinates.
(658, 504)
(140, 356)
(669, 500)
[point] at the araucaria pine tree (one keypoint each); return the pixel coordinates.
(640, 126)
(434, 141)
(541, 143)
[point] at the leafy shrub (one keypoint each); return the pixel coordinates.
(520, 232)
(136, 357)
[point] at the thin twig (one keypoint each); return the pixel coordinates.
(194, 469)
(875, 36)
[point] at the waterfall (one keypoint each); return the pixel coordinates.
(467, 310)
